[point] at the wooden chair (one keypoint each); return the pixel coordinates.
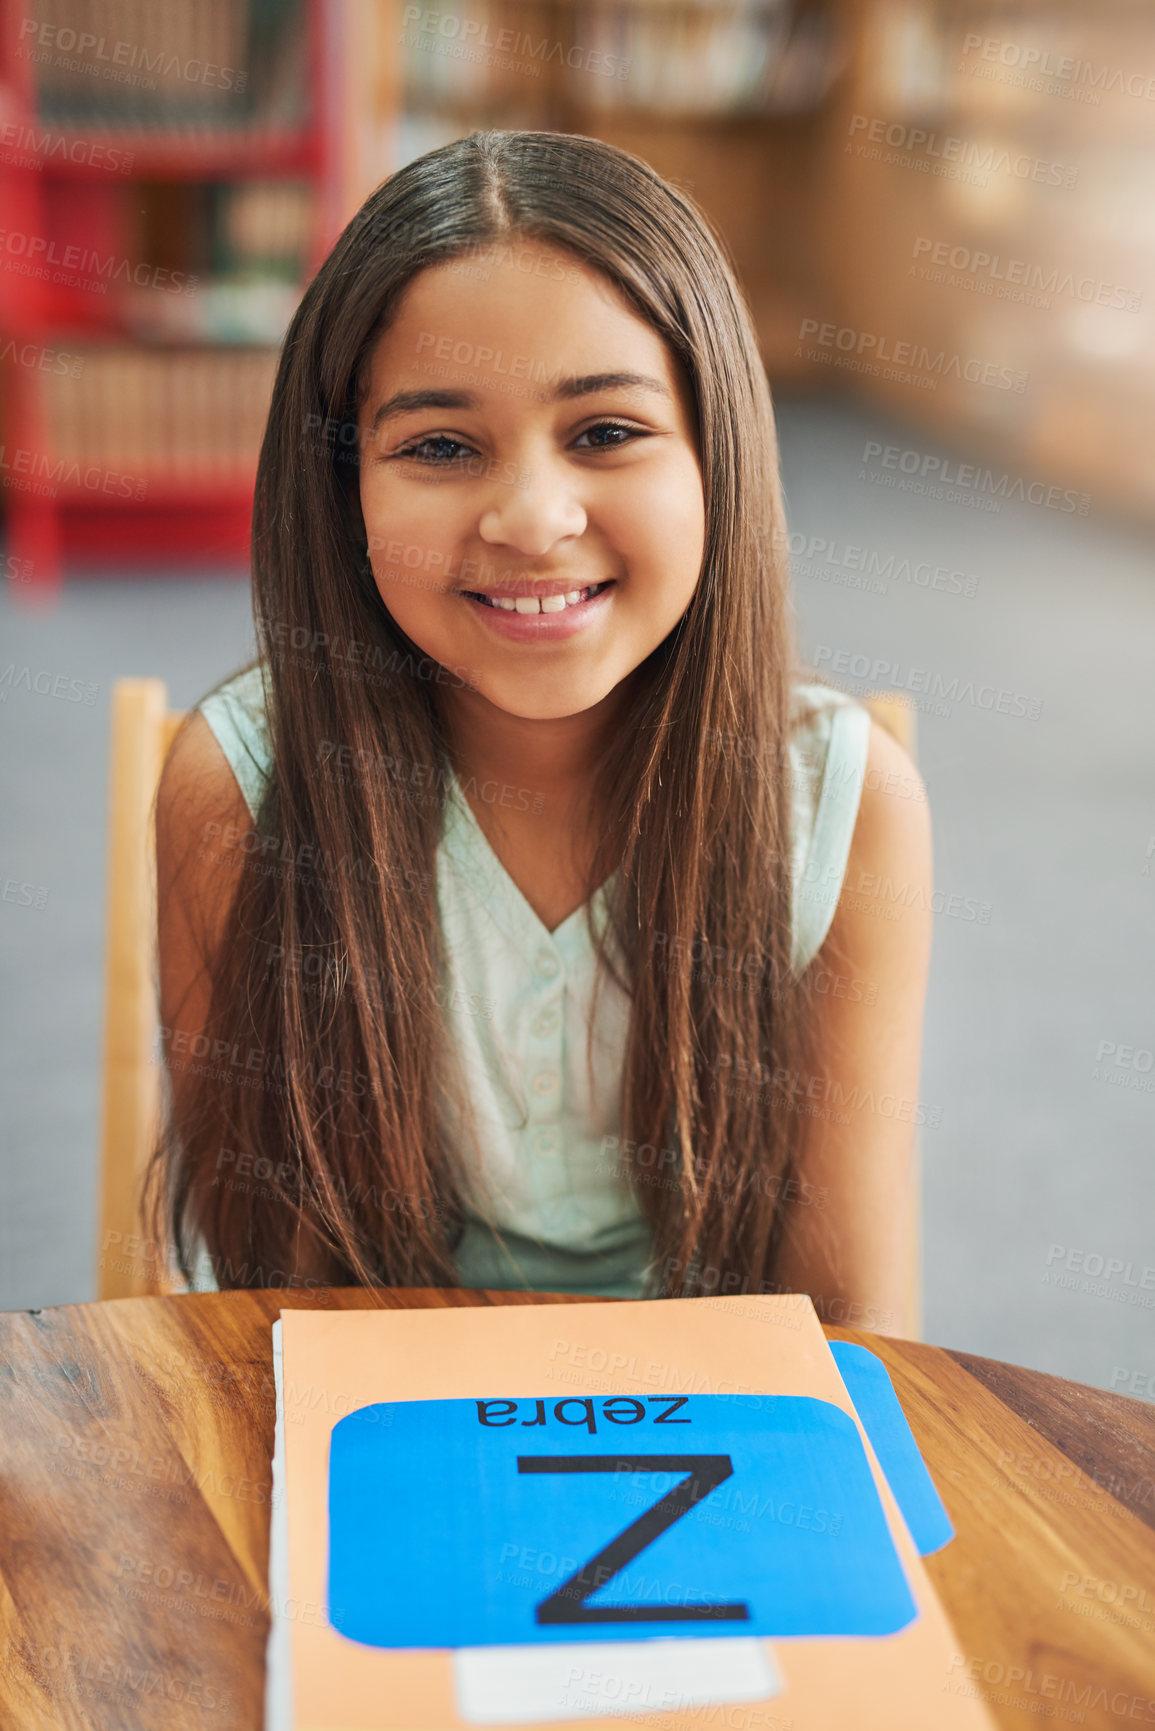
(143, 728)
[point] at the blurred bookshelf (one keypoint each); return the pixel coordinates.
(756, 110)
(1019, 236)
(170, 179)
(725, 98)
(185, 174)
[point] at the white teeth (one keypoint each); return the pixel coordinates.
(544, 604)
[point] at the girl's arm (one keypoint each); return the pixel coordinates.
(202, 826)
(199, 803)
(848, 1236)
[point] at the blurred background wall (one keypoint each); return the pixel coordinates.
(941, 211)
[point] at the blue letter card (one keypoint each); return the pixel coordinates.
(870, 1388)
(465, 1523)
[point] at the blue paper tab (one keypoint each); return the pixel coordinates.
(466, 1523)
(892, 1440)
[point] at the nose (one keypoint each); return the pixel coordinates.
(532, 513)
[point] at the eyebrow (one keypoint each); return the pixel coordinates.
(407, 402)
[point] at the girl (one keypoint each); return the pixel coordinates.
(502, 934)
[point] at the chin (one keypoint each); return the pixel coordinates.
(554, 704)
(557, 709)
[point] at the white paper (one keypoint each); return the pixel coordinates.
(576, 1680)
(278, 1652)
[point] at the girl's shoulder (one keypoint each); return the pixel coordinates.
(829, 731)
(828, 746)
(810, 698)
(235, 711)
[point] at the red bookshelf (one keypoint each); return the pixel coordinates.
(165, 200)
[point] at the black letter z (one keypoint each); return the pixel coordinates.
(568, 1604)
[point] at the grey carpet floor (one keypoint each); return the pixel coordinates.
(1038, 1166)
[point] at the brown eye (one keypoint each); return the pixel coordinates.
(423, 445)
(613, 427)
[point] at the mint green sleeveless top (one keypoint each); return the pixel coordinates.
(551, 1209)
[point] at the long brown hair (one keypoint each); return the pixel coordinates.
(355, 1180)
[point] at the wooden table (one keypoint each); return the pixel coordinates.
(135, 1444)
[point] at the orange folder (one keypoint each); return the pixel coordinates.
(333, 1363)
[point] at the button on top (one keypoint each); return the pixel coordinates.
(546, 1022)
(546, 964)
(545, 1082)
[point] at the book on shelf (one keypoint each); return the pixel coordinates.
(161, 65)
(707, 57)
(185, 415)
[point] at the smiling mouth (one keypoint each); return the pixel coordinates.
(535, 603)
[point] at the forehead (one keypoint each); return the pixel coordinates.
(521, 311)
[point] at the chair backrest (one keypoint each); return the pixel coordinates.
(143, 728)
(896, 713)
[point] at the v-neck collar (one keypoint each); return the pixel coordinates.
(518, 904)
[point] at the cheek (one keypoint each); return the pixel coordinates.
(410, 595)
(678, 491)
(413, 548)
(667, 530)
(397, 517)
